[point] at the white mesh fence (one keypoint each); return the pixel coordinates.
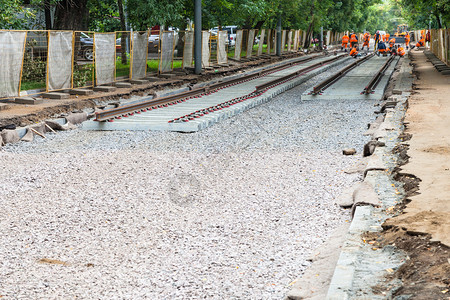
(60, 51)
(205, 49)
(250, 41)
(269, 40)
(283, 41)
(188, 52)
(238, 45)
(274, 41)
(222, 39)
(105, 62)
(296, 40)
(139, 55)
(12, 45)
(261, 42)
(167, 45)
(289, 41)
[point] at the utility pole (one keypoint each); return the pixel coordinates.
(198, 36)
(321, 38)
(279, 35)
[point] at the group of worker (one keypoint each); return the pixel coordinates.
(380, 44)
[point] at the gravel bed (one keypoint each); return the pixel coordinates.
(230, 212)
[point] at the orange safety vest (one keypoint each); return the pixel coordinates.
(401, 51)
(407, 38)
(392, 42)
(353, 38)
(387, 36)
(353, 52)
(366, 37)
(345, 39)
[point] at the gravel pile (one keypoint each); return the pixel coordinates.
(231, 212)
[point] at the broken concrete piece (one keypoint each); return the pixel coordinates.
(364, 194)
(345, 199)
(9, 136)
(349, 151)
(28, 137)
(375, 163)
(77, 118)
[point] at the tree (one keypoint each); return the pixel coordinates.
(13, 15)
(71, 15)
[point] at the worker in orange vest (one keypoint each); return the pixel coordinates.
(381, 48)
(345, 40)
(392, 42)
(366, 41)
(421, 42)
(400, 51)
(353, 39)
(354, 51)
(387, 37)
(407, 39)
(383, 37)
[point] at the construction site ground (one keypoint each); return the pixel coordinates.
(421, 228)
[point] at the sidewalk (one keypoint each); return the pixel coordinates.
(428, 121)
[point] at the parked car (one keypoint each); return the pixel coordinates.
(231, 33)
(87, 47)
(36, 45)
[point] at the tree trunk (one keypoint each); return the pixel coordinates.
(48, 16)
(259, 24)
(309, 33)
(71, 15)
(123, 41)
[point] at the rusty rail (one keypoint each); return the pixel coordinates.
(331, 80)
(183, 96)
(376, 79)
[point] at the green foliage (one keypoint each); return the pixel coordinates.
(33, 72)
(419, 13)
(83, 75)
(13, 15)
(103, 15)
(145, 14)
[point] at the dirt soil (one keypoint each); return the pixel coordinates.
(22, 115)
(422, 228)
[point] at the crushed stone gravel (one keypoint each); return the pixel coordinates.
(230, 212)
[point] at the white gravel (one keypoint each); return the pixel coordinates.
(231, 212)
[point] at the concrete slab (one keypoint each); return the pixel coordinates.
(82, 92)
(167, 76)
(104, 88)
(122, 85)
(28, 100)
(351, 85)
(139, 81)
(56, 95)
(158, 119)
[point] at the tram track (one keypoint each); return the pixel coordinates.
(125, 111)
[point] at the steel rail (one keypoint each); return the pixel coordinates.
(165, 101)
(376, 79)
(267, 85)
(331, 80)
(259, 90)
